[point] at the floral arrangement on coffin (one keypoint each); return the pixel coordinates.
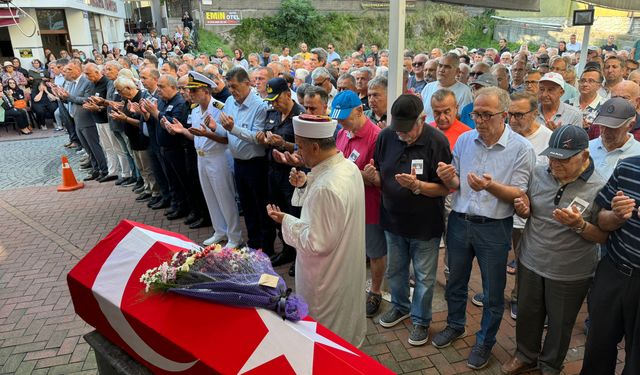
(239, 277)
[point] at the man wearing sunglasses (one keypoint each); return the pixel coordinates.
(417, 81)
(321, 77)
(448, 68)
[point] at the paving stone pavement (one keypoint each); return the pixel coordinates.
(45, 233)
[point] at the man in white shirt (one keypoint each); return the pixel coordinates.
(589, 101)
(329, 236)
(573, 45)
(523, 111)
(448, 68)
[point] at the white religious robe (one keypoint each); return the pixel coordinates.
(329, 239)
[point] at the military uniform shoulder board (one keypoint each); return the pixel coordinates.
(218, 104)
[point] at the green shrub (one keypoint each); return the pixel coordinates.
(429, 26)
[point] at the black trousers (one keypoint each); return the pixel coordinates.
(20, 117)
(251, 182)
(158, 168)
(614, 311)
(539, 297)
(195, 197)
(280, 194)
(177, 177)
(68, 123)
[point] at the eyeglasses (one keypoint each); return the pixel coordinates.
(528, 83)
(519, 115)
(475, 74)
(582, 81)
(320, 83)
(417, 64)
(475, 116)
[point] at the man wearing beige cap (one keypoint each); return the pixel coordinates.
(329, 236)
(553, 112)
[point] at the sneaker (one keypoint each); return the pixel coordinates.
(479, 357)
(215, 239)
(514, 310)
(478, 299)
(373, 303)
(80, 151)
(447, 336)
(419, 335)
(392, 317)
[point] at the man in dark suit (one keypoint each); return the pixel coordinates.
(79, 88)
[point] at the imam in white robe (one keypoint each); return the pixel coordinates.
(329, 239)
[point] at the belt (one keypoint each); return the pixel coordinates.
(475, 218)
(623, 267)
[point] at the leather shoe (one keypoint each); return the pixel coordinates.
(191, 218)
(143, 197)
(93, 176)
(169, 211)
(176, 215)
(120, 180)
(108, 178)
(200, 223)
(516, 366)
(154, 200)
(282, 258)
(161, 204)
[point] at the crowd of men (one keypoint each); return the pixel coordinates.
(492, 150)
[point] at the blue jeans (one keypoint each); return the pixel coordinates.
(489, 243)
(424, 254)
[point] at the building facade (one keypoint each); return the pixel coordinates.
(62, 25)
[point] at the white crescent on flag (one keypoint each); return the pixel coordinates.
(110, 284)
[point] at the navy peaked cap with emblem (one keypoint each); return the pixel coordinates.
(197, 80)
(566, 141)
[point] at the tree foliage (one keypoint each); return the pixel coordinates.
(430, 25)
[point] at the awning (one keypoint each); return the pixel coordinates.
(630, 5)
(524, 5)
(9, 16)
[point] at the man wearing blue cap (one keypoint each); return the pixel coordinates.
(278, 135)
(357, 141)
(210, 140)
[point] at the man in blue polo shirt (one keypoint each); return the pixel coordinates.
(614, 306)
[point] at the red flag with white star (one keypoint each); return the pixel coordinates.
(172, 334)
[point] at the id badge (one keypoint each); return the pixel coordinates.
(354, 156)
(580, 204)
(418, 164)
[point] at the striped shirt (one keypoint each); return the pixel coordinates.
(623, 244)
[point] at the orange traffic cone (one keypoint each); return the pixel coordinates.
(69, 181)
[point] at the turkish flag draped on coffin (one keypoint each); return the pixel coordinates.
(172, 334)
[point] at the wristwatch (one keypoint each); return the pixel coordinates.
(417, 191)
(581, 228)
